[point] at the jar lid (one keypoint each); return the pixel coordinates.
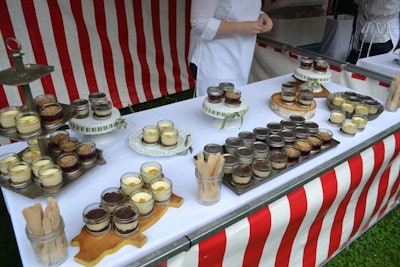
(215, 91)
(276, 140)
(244, 152)
(212, 149)
(234, 142)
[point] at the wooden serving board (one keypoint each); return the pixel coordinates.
(94, 248)
(285, 111)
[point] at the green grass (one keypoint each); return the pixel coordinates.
(379, 246)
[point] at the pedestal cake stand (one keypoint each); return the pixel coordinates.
(312, 76)
(224, 116)
(96, 130)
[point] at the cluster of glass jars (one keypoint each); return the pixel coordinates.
(351, 111)
(318, 64)
(98, 103)
(121, 208)
(163, 134)
(225, 92)
(256, 155)
(303, 98)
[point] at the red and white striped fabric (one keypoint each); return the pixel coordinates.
(133, 50)
(314, 222)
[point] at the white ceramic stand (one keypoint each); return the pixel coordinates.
(225, 117)
(307, 75)
(98, 131)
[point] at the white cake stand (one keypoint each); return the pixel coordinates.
(224, 116)
(310, 75)
(96, 130)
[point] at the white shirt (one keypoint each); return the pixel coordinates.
(225, 58)
(377, 22)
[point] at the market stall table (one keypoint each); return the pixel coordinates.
(383, 64)
(181, 224)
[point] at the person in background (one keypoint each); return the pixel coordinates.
(222, 40)
(376, 28)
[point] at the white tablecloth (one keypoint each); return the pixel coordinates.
(178, 222)
(382, 64)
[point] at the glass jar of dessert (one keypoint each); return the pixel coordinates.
(41, 100)
(289, 136)
(215, 94)
(311, 126)
(320, 66)
(97, 219)
(278, 160)
(51, 177)
(306, 63)
(241, 175)
(150, 170)
(98, 96)
(301, 132)
(69, 163)
(347, 107)
(30, 154)
(212, 149)
(248, 138)
(87, 152)
(69, 145)
(316, 143)
(260, 150)
(20, 174)
(169, 138)
(162, 191)
(143, 199)
(40, 163)
(125, 220)
(287, 124)
(165, 124)
(261, 133)
(261, 168)
(131, 181)
(244, 155)
(360, 120)
(361, 109)
(226, 86)
(275, 142)
(337, 116)
(102, 109)
(6, 160)
(304, 146)
(349, 127)
(51, 115)
(7, 118)
(326, 136)
(233, 143)
(293, 154)
(338, 99)
(81, 108)
(112, 197)
(274, 127)
(297, 119)
(230, 161)
(232, 98)
(56, 138)
(28, 124)
(288, 93)
(374, 106)
(306, 96)
(150, 135)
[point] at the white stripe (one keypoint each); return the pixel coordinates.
(280, 218)
(237, 238)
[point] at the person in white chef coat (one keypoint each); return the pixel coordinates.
(222, 40)
(376, 29)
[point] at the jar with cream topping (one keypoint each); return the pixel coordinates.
(39, 163)
(28, 124)
(278, 160)
(244, 155)
(241, 175)
(260, 150)
(131, 181)
(374, 106)
(230, 161)
(143, 199)
(7, 118)
(6, 160)
(360, 120)
(20, 174)
(151, 135)
(261, 168)
(162, 191)
(233, 143)
(337, 116)
(165, 124)
(169, 138)
(51, 178)
(125, 220)
(150, 170)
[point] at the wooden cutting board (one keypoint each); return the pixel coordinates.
(94, 248)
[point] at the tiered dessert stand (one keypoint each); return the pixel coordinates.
(21, 75)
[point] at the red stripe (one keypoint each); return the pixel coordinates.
(293, 55)
(187, 41)
(358, 76)
(329, 192)
(362, 200)
(84, 44)
(6, 31)
(155, 18)
(262, 45)
(277, 50)
(260, 227)
(62, 48)
(124, 44)
(298, 209)
(141, 48)
(355, 179)
(36, 41)
(101, 25)
(384, 84)
(212, 250)
(337, 69)
(172, 5)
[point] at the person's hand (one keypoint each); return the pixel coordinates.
(266, 23)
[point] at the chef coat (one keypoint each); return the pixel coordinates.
(377, 22)
(221, 58)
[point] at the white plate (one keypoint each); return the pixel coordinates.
(184, 142)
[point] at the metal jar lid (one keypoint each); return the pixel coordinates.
(215, 91)
(244, 152)
(212, 149)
